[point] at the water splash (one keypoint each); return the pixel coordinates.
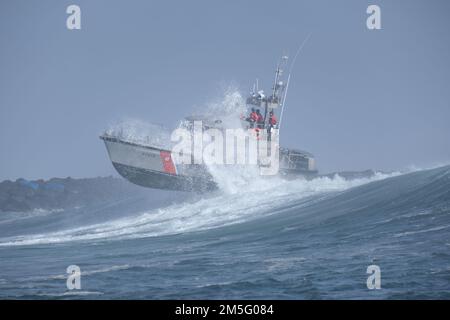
(138, 131)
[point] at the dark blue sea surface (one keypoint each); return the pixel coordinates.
(276, 240)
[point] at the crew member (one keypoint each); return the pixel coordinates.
(259, 119)
(272, 124)
(272, 119)
(253, 118)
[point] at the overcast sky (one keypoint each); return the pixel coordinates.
(358, 98)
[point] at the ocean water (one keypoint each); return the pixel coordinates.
(253, 239)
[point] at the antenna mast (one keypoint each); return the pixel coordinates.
(300, 48)
(284, 100)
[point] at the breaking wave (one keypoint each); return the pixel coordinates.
(272, 239)
(259, 198)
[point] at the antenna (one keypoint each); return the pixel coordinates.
(277, 75)
(284, 100)
(300, 48)
(277, 88)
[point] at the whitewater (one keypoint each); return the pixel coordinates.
(274, 239)
(243, 201)
(254, 238)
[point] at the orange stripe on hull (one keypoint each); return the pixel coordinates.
(169, 166)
